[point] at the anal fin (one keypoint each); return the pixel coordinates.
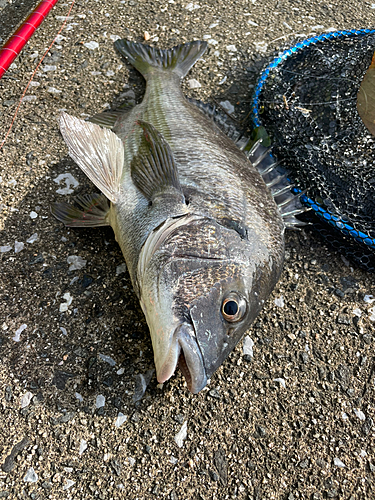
(93, 211)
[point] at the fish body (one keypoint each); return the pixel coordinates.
(201, 233)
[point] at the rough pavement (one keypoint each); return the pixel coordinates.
(293, 421)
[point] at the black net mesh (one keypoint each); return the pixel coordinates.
(307, 104)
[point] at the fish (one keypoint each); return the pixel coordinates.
(199, 215)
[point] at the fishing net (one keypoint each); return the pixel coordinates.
(306, 100)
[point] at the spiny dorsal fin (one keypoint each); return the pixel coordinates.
(224, 122)
(153, 170)
(93, 211)
(178, 59)
(98, 152)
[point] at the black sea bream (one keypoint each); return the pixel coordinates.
(199, 226)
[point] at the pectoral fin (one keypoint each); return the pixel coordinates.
(98, 152)
(154, 170)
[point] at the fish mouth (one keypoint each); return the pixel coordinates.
(185, 354)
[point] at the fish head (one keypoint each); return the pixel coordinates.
(203, 287)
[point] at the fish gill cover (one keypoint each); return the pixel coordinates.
(307, 100)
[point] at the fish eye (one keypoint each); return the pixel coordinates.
(233, 307)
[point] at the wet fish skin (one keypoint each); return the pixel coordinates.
(200, 232)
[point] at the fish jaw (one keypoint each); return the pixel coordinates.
(185, 353)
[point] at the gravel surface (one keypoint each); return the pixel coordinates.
(290, 414)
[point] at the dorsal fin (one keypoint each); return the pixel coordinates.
(224, 122)
(98, 152)
(153, 170)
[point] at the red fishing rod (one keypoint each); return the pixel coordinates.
(19, 39)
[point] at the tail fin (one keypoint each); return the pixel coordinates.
(146, 59)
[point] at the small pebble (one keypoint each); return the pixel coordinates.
(192, 6)
(91, 45)
(181, 435)
(194, 84)
(18, 246)
(31, 476)
(261, 47)
(49, 67)
(18, 332)
(227, 106)
(76, 262)
(33, 238)
(78, 396)
(64, 305)
(338, 463)
(359, 414)
(68, 484)
(247, 348)
(100, 401)
(281, 381)
(141, 383)
(107, 359)
(25, 399)
(279, 301)
(121, 418)
(70, 183)
(121, 269)
(82, 446)
(33, 215)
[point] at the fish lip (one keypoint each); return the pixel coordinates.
(185, 347)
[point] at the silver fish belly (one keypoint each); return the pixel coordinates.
(201, 233)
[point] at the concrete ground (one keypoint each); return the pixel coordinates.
(293, 421)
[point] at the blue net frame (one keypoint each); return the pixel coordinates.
(337, 221)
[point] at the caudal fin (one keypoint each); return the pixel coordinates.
(146, 59)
